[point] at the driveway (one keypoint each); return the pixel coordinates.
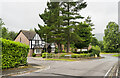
(93, 67)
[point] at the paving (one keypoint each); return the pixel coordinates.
(21, 70)
(68, 69)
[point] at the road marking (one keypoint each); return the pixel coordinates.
(43, 69)
(117, 73)
(108, 72)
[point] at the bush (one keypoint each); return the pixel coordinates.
(13, 53)
(96, 50)
(63, 55)
(63, 51)
(56, 50)
(49, 55)
(33, 54)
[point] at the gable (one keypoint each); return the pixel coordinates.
(36, 37)
(22, 38)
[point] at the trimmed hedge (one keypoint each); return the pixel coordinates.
(49, 55)
(14, 54)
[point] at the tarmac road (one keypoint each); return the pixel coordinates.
(93, 67)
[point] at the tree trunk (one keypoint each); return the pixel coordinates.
(68, 41)
(58, 47)
(61, 48)
(68, 47)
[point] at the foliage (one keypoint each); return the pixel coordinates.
(84, 32)
(96, 50)
(1, 24)
(63, 51)
(33, 54)
(13, 53)
(4, 33)
(62, 59)
(94, 41)
(82, 55)
(60, 21)
(101, 45)
(70, 13)
(48, 55)
(111, 40)
(52, 28)
(116, 55)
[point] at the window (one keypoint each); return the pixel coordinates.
(37, 51)
(36, 42)
(20, 40)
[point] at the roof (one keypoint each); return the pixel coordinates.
(29, 34)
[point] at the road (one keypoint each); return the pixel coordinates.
(94, 67)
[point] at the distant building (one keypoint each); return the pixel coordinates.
(34, 41)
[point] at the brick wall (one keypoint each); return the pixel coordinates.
(30, 53)
(23, 39)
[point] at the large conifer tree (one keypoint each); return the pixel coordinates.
(70, 12)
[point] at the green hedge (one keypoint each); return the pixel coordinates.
(49, 55)
(13, 53)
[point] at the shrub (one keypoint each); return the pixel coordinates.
(56, 50)
(33, 54)
(63, 51)
(49, 55)
(13, 53)
(96, 50)
(63, 55)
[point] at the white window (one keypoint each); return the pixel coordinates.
(84, 49)
(36, 42)
(33, 42)
(40, 42)
(38, 51)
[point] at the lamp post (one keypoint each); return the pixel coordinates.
(46, 45)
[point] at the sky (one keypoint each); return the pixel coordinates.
(24, 14)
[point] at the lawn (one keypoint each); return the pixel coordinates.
(116, 55)
(62, 59)
(107, 53)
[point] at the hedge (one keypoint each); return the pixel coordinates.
(49, 55)
(14, 54)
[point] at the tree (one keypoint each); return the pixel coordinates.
(4, 33)
(52, 28)
(94, 41)
(1, 24)
(101, 45)
(12, 35)
(84, 31)
(111, 38)
(70, 12)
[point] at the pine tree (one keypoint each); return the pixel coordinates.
(52, 27)
(70, 12)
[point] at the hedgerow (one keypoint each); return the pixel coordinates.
(14, 54)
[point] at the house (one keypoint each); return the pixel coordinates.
(34, 41)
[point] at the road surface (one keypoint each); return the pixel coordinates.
(94, 67)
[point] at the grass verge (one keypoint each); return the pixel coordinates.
(107, 53)
(62, 59)
(73, 59)
(116, 55)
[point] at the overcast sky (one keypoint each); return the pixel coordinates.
(24, 14)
